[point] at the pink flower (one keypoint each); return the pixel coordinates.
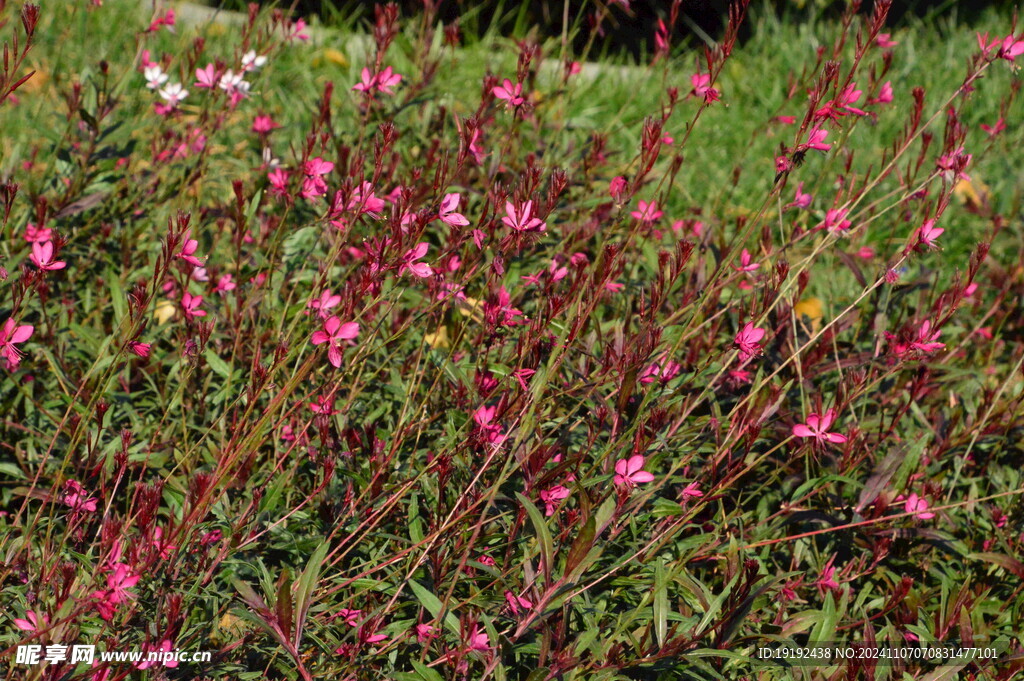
(207, 77)
(349, 617)
(848, 97)
(367, 82)
(552, 496)
(325, 302)
(990, 130)
(1010, 48)
(164, 548)
(801, 199)
(298, 31)
(119, 580)
(884, 40)
(835, 220)
(702, 87)
(39, 234)
(517, 602)
(42, 256)
(745, 264)
(521, 375)
(278, 179)
(748, 340)
(32, 621)
(387, 79)
(362, 201)
(225, 283)
(926, 340)
(617, 188)
(788, 591)
(953, 165)
(918, 506)
(420, 269)
(691, 490)
(424, 633)
(647, 212)
(629, 472)
(10, 335)
(448, 214)
(188, 247)
(165, 647)
(511, 94)
(662, 369)
(827, 582)
(817, 427)
(884, 94)
(313, 184)
(264, 124)
(380, 82)
(333, 333)
(477, 640)
(484, 419)
(816, 140)
(190, 304)
(928, 233)
(521, 220)
(502, 313)
(76, 497)
(324, 405)
(140, 349)
(167, 19)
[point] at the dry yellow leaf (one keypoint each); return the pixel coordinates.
(971, 191)
(216, 30)
(438, 339)
(471, 307)
(229, 628)
(36, 82)
(331, 55)
(810, 308)
(164, 311)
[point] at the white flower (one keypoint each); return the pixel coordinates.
(173, 93)
(269, 160)
(232, 82)
(155, 77)
(252, 61)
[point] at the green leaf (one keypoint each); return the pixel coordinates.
(540, 526)
(581, 547)
(218, 365)
(425, 672)
(660, 603)
(434, 606)
(304, 588)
